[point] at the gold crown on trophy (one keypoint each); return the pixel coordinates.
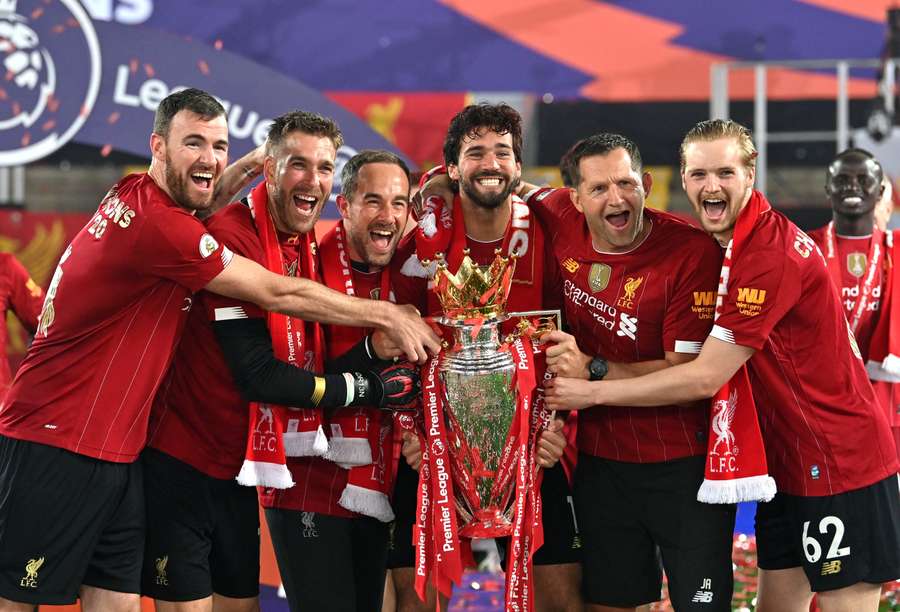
(474, 291)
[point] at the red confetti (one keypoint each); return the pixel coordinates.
(133, 65)
(106, 150)
(36, 13)
(3, 94)
(49, 125)
(84, 111)
(9, 75)
(72, 22)
(204, 67)
(113, 117)
(218, 45)
(26, 139)
(16, 108)
(58, 28)
(149, 71)
(53, 104)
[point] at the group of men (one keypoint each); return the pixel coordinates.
(168, 351)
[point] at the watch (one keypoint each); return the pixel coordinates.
(597, 368)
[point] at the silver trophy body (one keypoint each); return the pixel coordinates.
(481, 403)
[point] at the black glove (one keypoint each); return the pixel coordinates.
(392, 386)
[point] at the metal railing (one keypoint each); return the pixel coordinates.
(719, 101)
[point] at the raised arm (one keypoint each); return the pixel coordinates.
(246, 280)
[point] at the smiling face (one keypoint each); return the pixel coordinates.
(853, 186)
(611, 196)
(299, 174)
(487, 169)
(192, 155)
(375, 215)
(717, 182)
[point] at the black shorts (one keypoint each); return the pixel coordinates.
(329, 562)
(67, 520)
(635, 518)
(562, 543)
(202, 533)
(839, 540)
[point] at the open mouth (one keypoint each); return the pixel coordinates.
(381, 238)
(714, 208)
(489, 181)
(619, 220)
(305, 203)
(203, 180)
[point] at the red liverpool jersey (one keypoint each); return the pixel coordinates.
(823, 430)
(21, 295)
(635, 306)
(113, 314)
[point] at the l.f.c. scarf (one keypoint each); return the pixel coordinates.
(276, 431)
(731, 477)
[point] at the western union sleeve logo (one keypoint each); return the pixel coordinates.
(704, 304)
(750, 301)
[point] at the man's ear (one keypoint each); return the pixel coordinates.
(647, 182)
(453, 171)
(269, 168)
(158, 147)
(343, 206)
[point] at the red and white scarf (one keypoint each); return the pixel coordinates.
(730, 477)
(361, 438)
(277, 431)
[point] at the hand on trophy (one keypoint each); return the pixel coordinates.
(412, 450)
(571, 393)
(393, 387)
(408, 333)
(551, 444)
(564, 357)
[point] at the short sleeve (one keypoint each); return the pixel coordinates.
(762, 289)
(689, 313)
(551, 207)
(176, 246)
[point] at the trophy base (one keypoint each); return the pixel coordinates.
(488, 523)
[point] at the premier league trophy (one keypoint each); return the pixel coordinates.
(477, 373)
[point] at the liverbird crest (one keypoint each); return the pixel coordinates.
(474, 291)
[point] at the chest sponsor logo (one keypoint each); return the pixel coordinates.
(704, 304)
(161, 578)
(308, 519)
(750, 300)
(627, 326)
(632, 283)
(570, 265)
(208, 245)
(602, 312)
(856, 264)
(598, 277)
(29, 580)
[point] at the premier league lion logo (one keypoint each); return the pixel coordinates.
(51, 58)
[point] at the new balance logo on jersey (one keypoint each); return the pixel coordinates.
(627, 326)
(703, 597)
(831, 567)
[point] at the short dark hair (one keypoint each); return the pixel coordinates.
(195, 100)
(474, 119)
(350, 172)
(854, 153)
(306, 122)
(603, 143)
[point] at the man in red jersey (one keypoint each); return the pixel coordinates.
(482, 151)
(860, 258)
(832, 528)
(198, 434)
(330, 531)
(639, 287)
(75, 418)
(21, 295)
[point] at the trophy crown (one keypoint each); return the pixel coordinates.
(474, 291)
